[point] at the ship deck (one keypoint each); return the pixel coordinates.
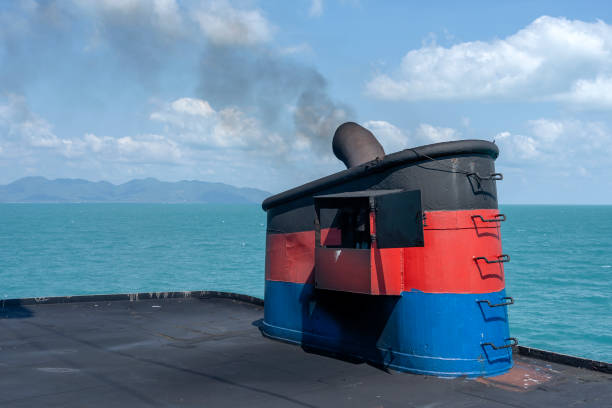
(205, 349)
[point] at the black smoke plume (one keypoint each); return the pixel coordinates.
(275, 89)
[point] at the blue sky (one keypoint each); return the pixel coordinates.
(250, 92)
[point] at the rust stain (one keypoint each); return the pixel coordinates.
(520, 378)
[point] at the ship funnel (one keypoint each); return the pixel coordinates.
(355, 145)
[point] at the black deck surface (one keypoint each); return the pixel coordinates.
(209, 352)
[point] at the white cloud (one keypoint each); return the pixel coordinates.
(590, 93)
(223, 24)
(394, 139)
(164, 15)
(316, 8)
(241, 148)
(549, 131)
(193, 138)
(391, 137)
(25, 134)
(20, 126)
(558, 143)
(550, 59)
(168, 14)
(139, 149)
(95, 143)
(186, 113)
(192, 106)
(434, 134)
(517, 147)
(195, 122)
(150, 148)
(159, 22)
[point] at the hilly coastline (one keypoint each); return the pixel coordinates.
(149, 190)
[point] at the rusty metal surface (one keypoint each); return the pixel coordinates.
(156, 351)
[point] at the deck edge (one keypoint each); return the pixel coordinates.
(132, 297)
(565, 359)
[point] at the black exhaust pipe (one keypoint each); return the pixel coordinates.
(355, 145)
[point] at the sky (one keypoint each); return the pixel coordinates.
(250, 92)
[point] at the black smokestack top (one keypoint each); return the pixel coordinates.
(355, 145)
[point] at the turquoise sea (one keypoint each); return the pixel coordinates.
(560, 272)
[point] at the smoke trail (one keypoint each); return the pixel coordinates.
(274, 88)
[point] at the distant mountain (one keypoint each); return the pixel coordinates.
(150, 190)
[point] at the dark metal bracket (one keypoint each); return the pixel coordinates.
(510, 302)
(514, 342)
(498, 218)
(501, 259)
(492, 176)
